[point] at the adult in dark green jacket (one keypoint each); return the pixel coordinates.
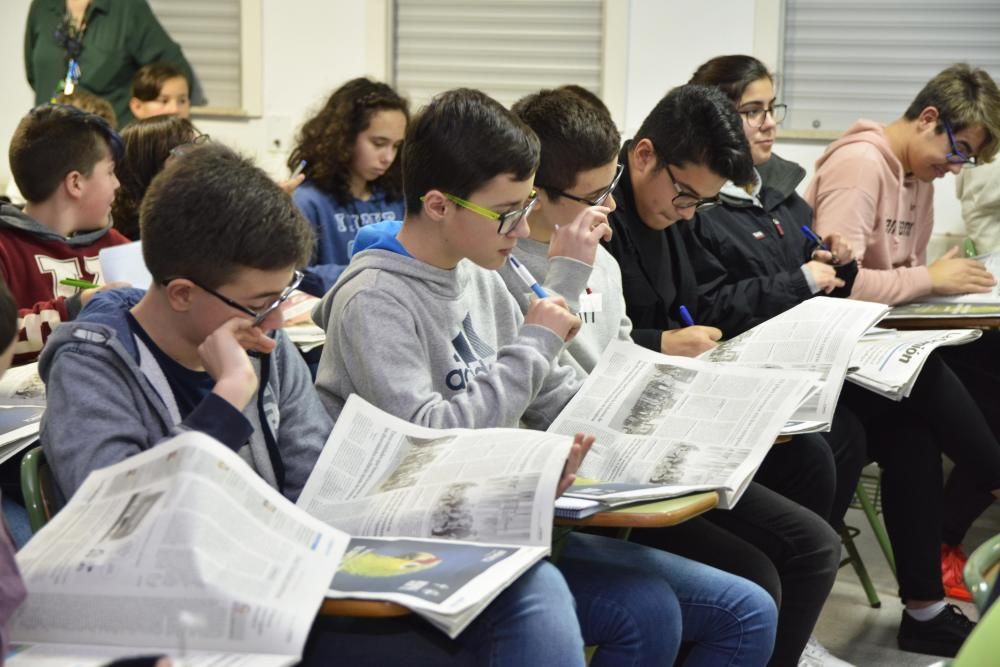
(119, 37)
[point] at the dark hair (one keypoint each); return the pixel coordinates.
(459, 141)
(211, 212)
(586, 95)
(148, 81)
(90, 103)
(964, 97)
(54, 140)
(8, 317)
(699, 125)
(148, 143)
(731, 75)
(575, 135)
(326, 141)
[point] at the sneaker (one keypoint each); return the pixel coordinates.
(816, 655)
(952, 572)
(942, 635)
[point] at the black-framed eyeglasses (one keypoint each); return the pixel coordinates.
(956, 156)
(755, 117)
(257, 315)
(599, 199)
(183, 149)
(686, 199)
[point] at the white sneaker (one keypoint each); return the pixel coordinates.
(816, 655)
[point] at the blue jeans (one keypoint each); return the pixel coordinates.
(638, 604)
(531, 623)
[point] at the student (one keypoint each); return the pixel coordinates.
(454, 351)
(195, 351)
(63, 160)
(688, 146)
(158, 89)
(349, 148)
(149, 143)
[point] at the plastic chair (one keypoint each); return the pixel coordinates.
(870, 505)
(38, 489)
(981, 571)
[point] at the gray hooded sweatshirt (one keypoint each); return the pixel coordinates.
(440, 348)
(108, 399)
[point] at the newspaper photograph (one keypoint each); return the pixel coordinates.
(153, 551)
(674, 421)
(818, 335)
(379, 476)
(889, 362)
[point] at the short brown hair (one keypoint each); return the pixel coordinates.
(149, 79)
(210, 213)
(965, 98)
(54, 140)
(90, 103)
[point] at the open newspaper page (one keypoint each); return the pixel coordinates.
(679, 422)
(992, 263)
(817, 335)
(477, 506)
(934, 311)
(889, 363)
(182, 547)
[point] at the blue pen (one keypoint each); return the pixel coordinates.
(811, 235)
(298, 170)
(686, 316)
(528, 279)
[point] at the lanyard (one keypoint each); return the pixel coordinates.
(70, 38)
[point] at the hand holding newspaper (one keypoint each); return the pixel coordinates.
(178, 549)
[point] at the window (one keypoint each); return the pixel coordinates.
(504, 48)
(849, 59)
(221, 40)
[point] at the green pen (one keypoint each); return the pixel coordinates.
(75, 282)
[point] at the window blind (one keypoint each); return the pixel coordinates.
(850, 59)
(504, 48)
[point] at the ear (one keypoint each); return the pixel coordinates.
(435, 205)
(135, 106)
(73, 184)
(180, 294)
(929, 117)
(644, 156)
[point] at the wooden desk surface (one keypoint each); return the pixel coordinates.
(943, 323)
(650, 515)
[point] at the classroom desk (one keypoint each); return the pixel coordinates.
(649, 515)
(943, 323)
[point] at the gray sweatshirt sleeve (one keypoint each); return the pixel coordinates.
(380, 347)
(568, 278)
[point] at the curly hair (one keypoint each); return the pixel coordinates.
(148, 143)
(326, 141)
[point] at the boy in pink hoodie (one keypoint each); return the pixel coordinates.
(874, 186)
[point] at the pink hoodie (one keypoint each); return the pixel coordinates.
(860, 191)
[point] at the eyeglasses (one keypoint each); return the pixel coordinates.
(686, 199)
(258, 316)
(508, 221)
(755, 117)
(956, 156)
(183, 149)
(597, 201)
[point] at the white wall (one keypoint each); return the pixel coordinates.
(311, 46)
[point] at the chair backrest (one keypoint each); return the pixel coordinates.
(981, 571)
(982, 647)
(38, 489)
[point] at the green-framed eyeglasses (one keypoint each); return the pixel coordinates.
(507, 222)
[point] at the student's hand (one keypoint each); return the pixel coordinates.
(581, 445)
(840, 252)
(824, 275)
(952, 274)
(554, 314)
(292, 183)
(224, 355)
(87, 294)
(689, 341)
(579, 239)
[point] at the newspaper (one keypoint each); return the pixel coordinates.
(932, 311)
(151, 555)
(889, 363)
(22, 385)
(992, 263)
(22, 402)
(817, 335)
(464, 511)
(685, 423)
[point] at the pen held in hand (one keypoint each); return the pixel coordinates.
(76, 282)
(686, 316)
(811, 235)
(527, 278)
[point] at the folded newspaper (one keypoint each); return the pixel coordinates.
(936, 311)
(151, 555)
(889, 362)
(817, 335)
(22, 402)
(685, 424)
(443, 520)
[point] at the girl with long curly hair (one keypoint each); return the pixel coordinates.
(350, 147)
